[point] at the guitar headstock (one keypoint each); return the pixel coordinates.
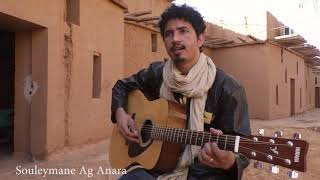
(289, 153)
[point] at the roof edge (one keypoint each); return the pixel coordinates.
(121, 4)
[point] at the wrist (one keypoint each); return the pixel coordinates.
(118, 113)
(231, 163)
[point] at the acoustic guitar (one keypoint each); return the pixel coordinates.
(161, 128)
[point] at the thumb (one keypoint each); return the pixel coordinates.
(132, 126)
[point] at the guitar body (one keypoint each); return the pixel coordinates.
(150, 154)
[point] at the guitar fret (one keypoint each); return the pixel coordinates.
(157, 132)
(165, 134)
(217, 142)
(152, 136)
(225, 143)
(186, 138)
(171, 135)
(177, 135)
(202, 138)
(196, 141)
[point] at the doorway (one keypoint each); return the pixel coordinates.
(292, 97)
(317, 98)
(7, 91)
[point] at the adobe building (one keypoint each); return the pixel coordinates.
(143, 41)
(143, 44)
(280, 71)
(59, 60)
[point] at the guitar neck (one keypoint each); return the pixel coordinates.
(199, 138)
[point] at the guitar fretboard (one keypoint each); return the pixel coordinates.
(199, 138)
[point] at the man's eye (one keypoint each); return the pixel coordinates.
(184, 30)
(167, 34)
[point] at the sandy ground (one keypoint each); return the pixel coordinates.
(94, 157)
(308, 125)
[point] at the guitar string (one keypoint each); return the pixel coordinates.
(249, 149)
(244, 148)
(221, 139)
(168, 131)
(260, 152)
(165, 127)
(172, 131)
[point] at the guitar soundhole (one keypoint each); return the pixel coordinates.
(145, 134)
(146, 131)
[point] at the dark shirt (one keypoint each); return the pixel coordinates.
(226, 103)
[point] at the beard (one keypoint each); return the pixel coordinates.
(178, 60)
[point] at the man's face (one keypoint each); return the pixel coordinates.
(181, 41)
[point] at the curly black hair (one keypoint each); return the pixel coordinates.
(184, 12)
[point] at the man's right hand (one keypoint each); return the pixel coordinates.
(126, 125)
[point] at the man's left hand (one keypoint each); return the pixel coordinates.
(212, 156)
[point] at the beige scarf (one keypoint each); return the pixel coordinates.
(195, 85)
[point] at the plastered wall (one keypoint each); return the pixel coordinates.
(54, 63)
(248, 65)
(138, 48)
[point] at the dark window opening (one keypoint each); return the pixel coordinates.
(96, 78)
(300, 98)
(306, 84)
(285, 76)
(277, 95)
(286, 31)
(73, 11)
(154, 46)
(281, 55)
(7, 90)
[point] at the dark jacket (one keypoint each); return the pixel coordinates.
(226, 102)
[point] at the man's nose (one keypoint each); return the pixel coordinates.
(176, 37)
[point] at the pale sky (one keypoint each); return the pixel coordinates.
(301, 15)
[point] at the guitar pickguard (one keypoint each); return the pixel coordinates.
(135, 149)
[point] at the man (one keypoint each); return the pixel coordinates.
(191, 75)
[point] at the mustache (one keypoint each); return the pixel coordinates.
(177, 46)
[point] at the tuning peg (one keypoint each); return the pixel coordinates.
(293, 174)
(297, 136)
(274, 169)
(261, 132)
(278, 134)
(258, 165)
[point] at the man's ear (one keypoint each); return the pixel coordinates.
(201, 39)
